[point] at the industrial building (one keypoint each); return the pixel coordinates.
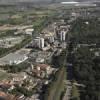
(8, 42)
(14, 58)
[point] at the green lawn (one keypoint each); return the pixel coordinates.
(75, 92)
(57, 87)
(4, 75)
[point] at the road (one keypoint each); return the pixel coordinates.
(56, 90)
(69, 69)
(14, 27)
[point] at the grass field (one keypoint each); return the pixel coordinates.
(4, 75)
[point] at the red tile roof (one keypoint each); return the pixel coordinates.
(7, 96)
(43, 66)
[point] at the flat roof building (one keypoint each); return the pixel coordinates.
(11, 59)
(29, 31)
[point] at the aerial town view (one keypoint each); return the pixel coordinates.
(49, 49)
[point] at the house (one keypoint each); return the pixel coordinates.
(5, 96)
(20, 77)
(6, 85)
(41, 70)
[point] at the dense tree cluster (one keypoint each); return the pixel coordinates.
(87, 71)
(86, 30)
(21, 90)
(58, 60)
(86, 66)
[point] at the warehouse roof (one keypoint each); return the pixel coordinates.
(12, 57)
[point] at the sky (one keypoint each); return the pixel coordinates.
(11, 1)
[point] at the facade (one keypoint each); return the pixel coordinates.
(63, 36)
(13, 58)
(41, 43)
(38, 42)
